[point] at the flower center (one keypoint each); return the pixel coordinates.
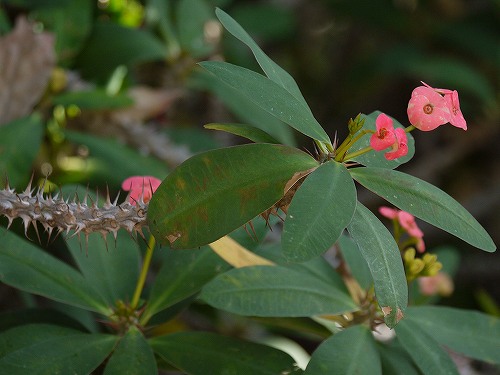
(428, 108)
(382, 133)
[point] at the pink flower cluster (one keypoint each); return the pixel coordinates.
(386, 136)
(430, 107)
(140, 187)
(407, 222)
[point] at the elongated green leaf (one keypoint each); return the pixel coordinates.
(113, 45)
(471, 333)
(111, 162)
(320, 210)
(26, 267)
(244, 108)
(273, 71)
(396, 360)
(382, 255)
(274, 291)
(426, 353)
(356, 262)
(377, 158)
(30, 334)
(183, 274)
(349, 352)
(269, 96)
(215, 192)
(217, 354)
(426, 202)
(19, 144)
(62, 353)
(132, 356)
(93, 100)
(246, 131)
(14, 318)
(103, 267)
(192, 16)
(60, 17)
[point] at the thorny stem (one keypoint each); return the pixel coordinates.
(144, 272)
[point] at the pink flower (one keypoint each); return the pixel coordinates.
(384, 136)
(407, 222)
(390, 213)
(400, 146)
(451, 97)
(140, 187)
(440, 283)
(428, 109)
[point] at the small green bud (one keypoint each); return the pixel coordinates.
(355, 125)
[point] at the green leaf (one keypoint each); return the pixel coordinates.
(269, 96)
(384, 260)
(14, 318)
(19, 144)
(244, 108)
(356, 262)
(396, 360)
(70, 21)
(31, 334)
(132, 356)
(426, 202)
(273, 71)
(182, 275)
(27, 267)
(246, 131)
(348, 352)
(377, 158)
(217, 354)
(192, 17)
(426, 353)
(215, 192)
(111, 45)
(92, 100)
(103, 268)
(320, 210)
(471, 333)
(111, 162)
(275, 291)
(57, 352)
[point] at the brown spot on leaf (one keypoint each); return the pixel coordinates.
(173, 237)
(180, 183)
(399, 315)
(387, 310)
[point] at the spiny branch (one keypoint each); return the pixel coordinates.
(76, 217)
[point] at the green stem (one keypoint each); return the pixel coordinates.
(357, 153)
(144, 272)
(346, 145)
(409, 128)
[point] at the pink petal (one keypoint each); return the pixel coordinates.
(384, 136)
(388, 212)
(420, 245)
(427, 109)
(400, 147)
(408, 222)
(140, 186)
(457, 118)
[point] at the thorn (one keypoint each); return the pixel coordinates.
(35, 226)
(28, 188)
(105, 238)
(107, 204)
(116, 199)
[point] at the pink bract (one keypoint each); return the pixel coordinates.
(390, 213)
(140, 187)
(384, 136)
(400, 146)
(408, 222)
(457, 118)
(427, 109)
